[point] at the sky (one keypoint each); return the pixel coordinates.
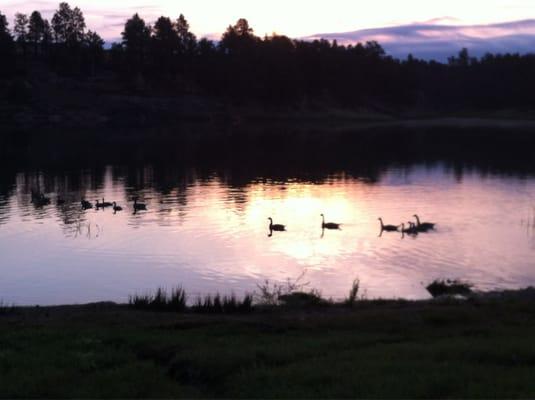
(439, 41)
(295, 18)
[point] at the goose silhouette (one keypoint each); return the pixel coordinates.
(276, 227)
(423, 226)
(328, 225)
(388, 228)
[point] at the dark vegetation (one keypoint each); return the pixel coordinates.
(289, 294)
(177, 301)
(218, 304)
(62, 62)
(161, 300)
(441, 287)
(161, 92)
(376, 349)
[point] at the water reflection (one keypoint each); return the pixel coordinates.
(207, 228)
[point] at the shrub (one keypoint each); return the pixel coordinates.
(302, 299)
(441, 287)
(271, 293)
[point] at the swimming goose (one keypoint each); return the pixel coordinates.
(86, 205)
(276, 227)
(411, 230)
(388, 228)
(423, 226)
(328, 225)
(39, 199)
(105, 203)
(116, 207)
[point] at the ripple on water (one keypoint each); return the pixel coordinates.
(209, 233)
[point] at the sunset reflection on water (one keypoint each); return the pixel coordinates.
(209, 232)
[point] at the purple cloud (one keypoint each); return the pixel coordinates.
(437, 41)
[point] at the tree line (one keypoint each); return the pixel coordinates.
(243, 67)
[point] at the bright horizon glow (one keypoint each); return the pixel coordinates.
(296, 18)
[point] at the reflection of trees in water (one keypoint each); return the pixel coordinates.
(167, 187)
(7, 186)
(69, 186)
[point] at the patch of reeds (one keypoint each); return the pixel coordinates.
(161, 300)
(176, 301)
(449, 287)
(218, 304)
(291, 293)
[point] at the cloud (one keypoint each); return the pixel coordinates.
(433, 40)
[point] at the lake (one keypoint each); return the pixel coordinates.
(207, 230)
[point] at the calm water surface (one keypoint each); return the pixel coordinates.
(208, 231)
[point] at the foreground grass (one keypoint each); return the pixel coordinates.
(373, 349)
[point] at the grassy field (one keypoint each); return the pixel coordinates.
(439, 349)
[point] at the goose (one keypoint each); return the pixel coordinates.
(98, 205)
(276, 227)
(425, 226)
(105, 203)
(116, 207)
(86, 205)
(139, 206)
(411, 230)
(39, 199)
(388, 228)
(42, 200)
(328, 225)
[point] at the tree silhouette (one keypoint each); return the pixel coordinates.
(5, 36)
(21, 30)
(36, 30)
(94, 45)
(48, 36)
(136, 39)
(6, 47)
(274, 70)
(186, 40)
(238, 39)
(164, 45)
(68, 25)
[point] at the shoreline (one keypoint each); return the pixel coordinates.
(525, 294)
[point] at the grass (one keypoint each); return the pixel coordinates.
(294, 345)
(384, 349)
